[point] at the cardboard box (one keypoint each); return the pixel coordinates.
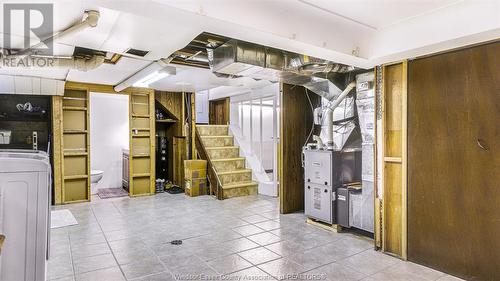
(195, 187)
(195, 169)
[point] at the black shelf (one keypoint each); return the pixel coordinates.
(24, 117)
(17, 146)
(22, 123)
(22, 120)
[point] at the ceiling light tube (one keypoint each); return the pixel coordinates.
(151, 78)
(151, 73)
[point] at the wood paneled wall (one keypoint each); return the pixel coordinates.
(174, 103)
(454, 162)
(179, 134)
(295, 124)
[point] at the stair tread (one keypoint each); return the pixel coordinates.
(235, 171)
(211, 125)
(222, 147)
(229, 159)
(239, 184)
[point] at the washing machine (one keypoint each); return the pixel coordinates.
(25, 180)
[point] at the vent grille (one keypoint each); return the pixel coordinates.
(136, 52)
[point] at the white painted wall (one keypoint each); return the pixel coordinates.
(109, 124)
(201, 107)
(461, 24)
(247, 136)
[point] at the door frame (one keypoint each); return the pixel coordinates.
(248, 100)
(57, 129)
(211, 111)
(382, 209)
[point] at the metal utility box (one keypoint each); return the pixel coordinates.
(351, 166)
(343, 206)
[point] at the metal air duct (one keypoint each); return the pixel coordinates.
(240, 58)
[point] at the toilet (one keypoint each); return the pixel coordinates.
(95, 177)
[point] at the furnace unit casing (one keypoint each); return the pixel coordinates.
(322, 177)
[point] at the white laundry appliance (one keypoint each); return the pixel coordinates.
(25, 180)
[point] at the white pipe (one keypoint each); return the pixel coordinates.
(91, 20)
(329, 113)
(31, 62)
(24, 59)
(329, 131)
(81, 64)
(342, 95)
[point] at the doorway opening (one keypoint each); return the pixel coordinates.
(109, 142)
(255, 123)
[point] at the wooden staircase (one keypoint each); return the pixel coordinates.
(227, 173)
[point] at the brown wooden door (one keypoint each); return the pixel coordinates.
(218, 112)
(454, 162)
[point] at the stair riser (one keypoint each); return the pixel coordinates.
(226, 166)
(212, 131)
(223, 153)
(239, 191)
(211, 142)
(235, 178)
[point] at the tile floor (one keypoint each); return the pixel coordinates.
(237, 239)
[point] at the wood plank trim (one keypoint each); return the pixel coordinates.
(393, 159)
(404, 159)
(401, 161)
(57, 147)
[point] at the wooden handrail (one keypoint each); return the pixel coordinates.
(215, 185)
(2, 239)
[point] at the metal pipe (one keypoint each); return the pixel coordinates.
(329, 113)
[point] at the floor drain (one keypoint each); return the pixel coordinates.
(176, 242)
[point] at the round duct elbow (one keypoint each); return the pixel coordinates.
(86, 65)
(81, 64)
(92, 18)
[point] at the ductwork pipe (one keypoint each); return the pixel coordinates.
(90, 20)
(52, 62)
(25, 59)
(329, 113)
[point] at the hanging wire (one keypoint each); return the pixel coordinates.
(312, 110)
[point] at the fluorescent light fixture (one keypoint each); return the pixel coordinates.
(150, 79)
(146, 76)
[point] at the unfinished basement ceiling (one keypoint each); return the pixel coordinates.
(329, 30)
(195, 53)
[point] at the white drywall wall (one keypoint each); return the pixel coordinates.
(109, 125)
